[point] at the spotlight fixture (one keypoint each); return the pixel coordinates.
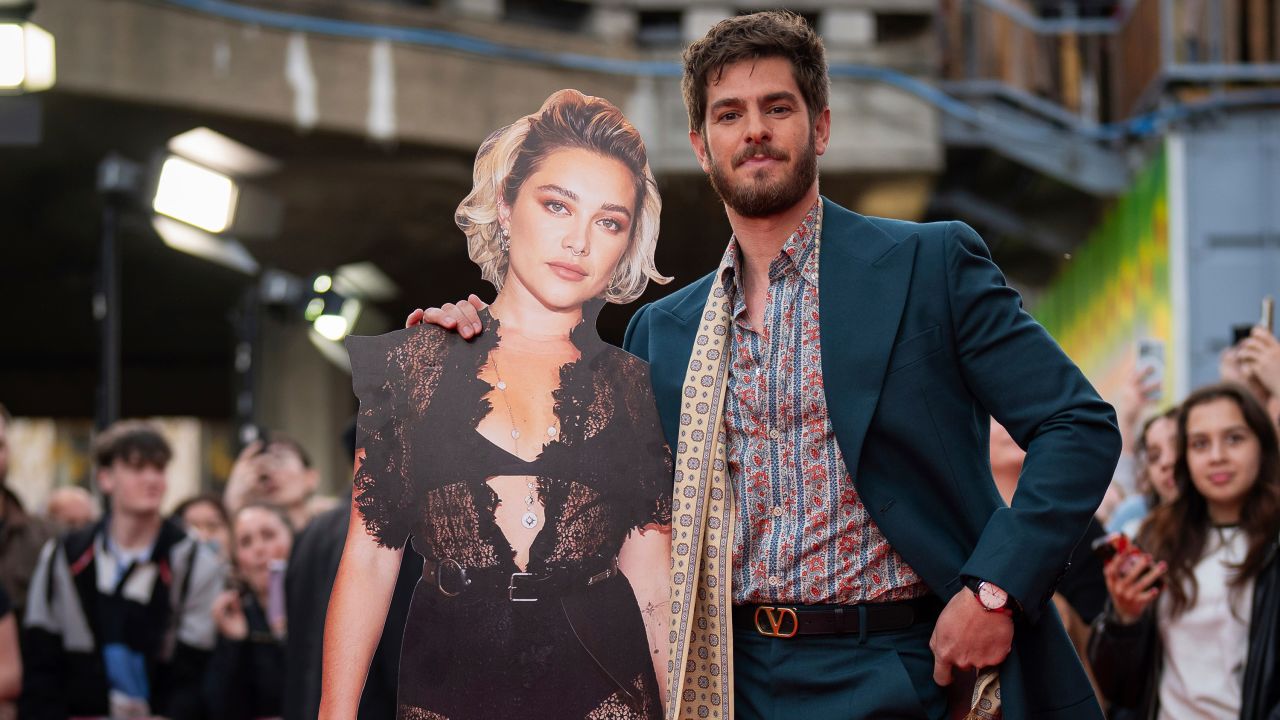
(27, 57)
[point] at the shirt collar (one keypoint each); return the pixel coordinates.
(798, 254)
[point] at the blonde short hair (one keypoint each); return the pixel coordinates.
(568, 119)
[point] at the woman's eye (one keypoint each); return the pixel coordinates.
(612, 225)
(556, 207)
(1198, 444)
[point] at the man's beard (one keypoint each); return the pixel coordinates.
(760, 198)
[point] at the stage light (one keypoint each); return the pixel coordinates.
(336, 326)
(332, 315)
(27, 57)
(195, 195)
(322, 284)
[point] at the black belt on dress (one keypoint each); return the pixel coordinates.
(785, 621)
(452, 578)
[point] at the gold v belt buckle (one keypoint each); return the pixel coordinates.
(775, 617)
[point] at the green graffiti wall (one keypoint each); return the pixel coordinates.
(1115, 288)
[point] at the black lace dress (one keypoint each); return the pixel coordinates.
(579, 653)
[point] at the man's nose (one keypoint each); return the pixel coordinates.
(758, 131)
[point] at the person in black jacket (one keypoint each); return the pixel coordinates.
(118, 614)
(1191, 629)
(245, 677)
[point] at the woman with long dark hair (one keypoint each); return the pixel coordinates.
(1192, 628)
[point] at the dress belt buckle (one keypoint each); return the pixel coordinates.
(776, 618)
(604, 574)
(511, 588)
(462, 577)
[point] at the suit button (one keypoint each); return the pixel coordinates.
(774, 434)
(777, 511)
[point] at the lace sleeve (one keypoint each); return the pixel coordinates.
(382, 367)
(650, 458)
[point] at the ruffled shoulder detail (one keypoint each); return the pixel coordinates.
(394, 376)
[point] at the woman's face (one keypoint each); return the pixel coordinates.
(205, 522)
(570, 225)
(1223, 455)
(1162, 451)
(261, 537)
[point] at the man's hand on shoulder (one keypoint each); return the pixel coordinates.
(968, 636)
(462, 316)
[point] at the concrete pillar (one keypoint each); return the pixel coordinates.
(307, 396)
(616, 24)
(697, 21)
(848, 27)
(479, 9)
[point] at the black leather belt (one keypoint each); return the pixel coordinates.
(452, 579)
(785, 621)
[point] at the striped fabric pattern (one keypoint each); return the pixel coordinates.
(802, 535)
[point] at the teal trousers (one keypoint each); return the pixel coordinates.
(876, 676)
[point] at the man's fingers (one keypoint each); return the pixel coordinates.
(438, 316)
(476, 302)
(941, 672)
(414, 318)
(469, 315)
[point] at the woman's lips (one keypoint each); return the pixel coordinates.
(1221, 478)
(568, 271)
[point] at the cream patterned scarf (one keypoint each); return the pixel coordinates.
(700, 679)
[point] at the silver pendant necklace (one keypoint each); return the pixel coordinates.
(529, 519)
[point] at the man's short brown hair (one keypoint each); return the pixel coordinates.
(776, 33)
(133, 441)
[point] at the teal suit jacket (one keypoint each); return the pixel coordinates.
(922, 341)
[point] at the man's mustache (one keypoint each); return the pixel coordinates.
(759, 151)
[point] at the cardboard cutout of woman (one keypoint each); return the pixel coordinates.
(528, 466)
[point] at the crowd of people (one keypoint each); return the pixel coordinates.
(130, 613)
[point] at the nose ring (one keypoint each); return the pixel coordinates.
(577, 253)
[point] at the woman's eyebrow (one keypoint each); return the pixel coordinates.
(560, 191)
(612, 207)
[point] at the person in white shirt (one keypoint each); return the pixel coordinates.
(1191, 627)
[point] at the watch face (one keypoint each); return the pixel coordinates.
(992, 597)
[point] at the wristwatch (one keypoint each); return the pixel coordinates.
(992, 597)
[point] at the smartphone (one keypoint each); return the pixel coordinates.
(275, 596)
(1268, 314)
(1151, 362)
(1117, 543)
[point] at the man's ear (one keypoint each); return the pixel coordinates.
(822, 131)
(699, 143)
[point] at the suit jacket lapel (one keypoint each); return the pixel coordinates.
(674, 331)
(863, 278)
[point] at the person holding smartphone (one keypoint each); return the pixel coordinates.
(1191, 626)
(243, 680)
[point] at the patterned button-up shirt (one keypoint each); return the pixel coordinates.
(802, 535)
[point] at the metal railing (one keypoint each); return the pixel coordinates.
(1102, 69)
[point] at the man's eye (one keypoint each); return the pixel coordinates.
(729, 117)
(779, 109)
